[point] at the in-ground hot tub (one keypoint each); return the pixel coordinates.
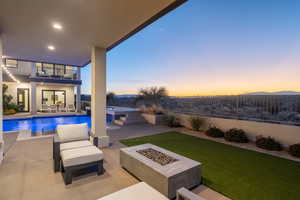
(162, 169)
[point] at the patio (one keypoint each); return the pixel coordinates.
(27, 171)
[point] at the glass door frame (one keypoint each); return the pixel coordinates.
(24, 96)
(54, 103)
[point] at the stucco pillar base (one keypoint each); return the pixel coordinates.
(103, 141)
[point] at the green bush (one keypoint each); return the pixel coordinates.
(196, 123)
(236, 135)
(172, 121)
(214, 132)
(9, 112)
(268, 143)
(294, 150)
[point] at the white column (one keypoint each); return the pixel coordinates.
(78, 98)
(33, 98)
(1, 116)
(33, 69)
(98, 61)
(78, 91)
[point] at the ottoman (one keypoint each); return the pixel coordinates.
(79, 158)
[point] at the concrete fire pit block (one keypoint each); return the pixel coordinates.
(166, 179)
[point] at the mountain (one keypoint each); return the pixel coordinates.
(274, 93)
(126, 96)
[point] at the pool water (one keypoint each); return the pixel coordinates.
(46, 124)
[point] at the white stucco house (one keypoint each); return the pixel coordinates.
(50, 40)
(33, 84)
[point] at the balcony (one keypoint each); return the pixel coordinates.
(56, 74)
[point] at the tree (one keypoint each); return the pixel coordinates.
(152, 95)
(6, 98)
(110, 98)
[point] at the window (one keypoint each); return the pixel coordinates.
(51, 97)
(59, 70)
(39, 68)
(11, 63)
(48, 69)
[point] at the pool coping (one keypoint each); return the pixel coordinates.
(43, 116)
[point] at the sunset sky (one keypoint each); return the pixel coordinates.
(211, 47)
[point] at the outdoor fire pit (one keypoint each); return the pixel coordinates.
(164, 170)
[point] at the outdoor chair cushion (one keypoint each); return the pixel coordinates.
(75, 144)
(83, 155)
(72, 132)
(139, 191)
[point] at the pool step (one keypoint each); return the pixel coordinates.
(129, 119)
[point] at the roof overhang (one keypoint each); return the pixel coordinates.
(26, 26)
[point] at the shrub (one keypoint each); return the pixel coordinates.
(196, 123)
(9, 112)
(172, 121)
(214, 132)
(294, 150)
(153, 110)
(236, 135)
(268, 143)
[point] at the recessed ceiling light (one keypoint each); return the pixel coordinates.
(57, 26)
(50, 47)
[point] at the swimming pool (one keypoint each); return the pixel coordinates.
(46, 124)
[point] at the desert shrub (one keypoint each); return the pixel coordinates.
(294, 150)
(153, 110)
(214, 132)
(268, 143)
(196, 123)
(236, 135)
(9, 112)
(172, 121)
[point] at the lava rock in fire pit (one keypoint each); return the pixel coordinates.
(157, 156)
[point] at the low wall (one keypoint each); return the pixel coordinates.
(285, 134)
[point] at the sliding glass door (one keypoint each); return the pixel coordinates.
(51, 97)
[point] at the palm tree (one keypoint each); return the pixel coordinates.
(152, 95)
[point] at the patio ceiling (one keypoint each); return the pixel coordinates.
(27, 26)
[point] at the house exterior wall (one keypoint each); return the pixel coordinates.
(1, 132)
(12, 90)
(70, 93)
(23, 68)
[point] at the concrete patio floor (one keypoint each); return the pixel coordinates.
(27, 171)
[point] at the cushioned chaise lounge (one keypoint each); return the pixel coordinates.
(73, 151)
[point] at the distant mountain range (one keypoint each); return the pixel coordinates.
(274, 93)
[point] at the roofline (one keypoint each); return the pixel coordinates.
(158, 15)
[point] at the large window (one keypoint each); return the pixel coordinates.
(56, 71)
(51, 97)
(59, 70)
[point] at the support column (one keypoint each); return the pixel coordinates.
(33, 98)
(33, 70)
(1, 105)
(98, 61)
(78, 91)
(78, 98)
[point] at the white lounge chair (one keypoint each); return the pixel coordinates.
(53, 108)
(73, 151)
(45, 108)
(62, 108)
(71, 108)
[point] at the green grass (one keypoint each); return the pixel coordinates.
(237, 173)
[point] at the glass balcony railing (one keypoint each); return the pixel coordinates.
(56, 71)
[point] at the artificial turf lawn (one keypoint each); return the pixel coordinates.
(237, 173)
